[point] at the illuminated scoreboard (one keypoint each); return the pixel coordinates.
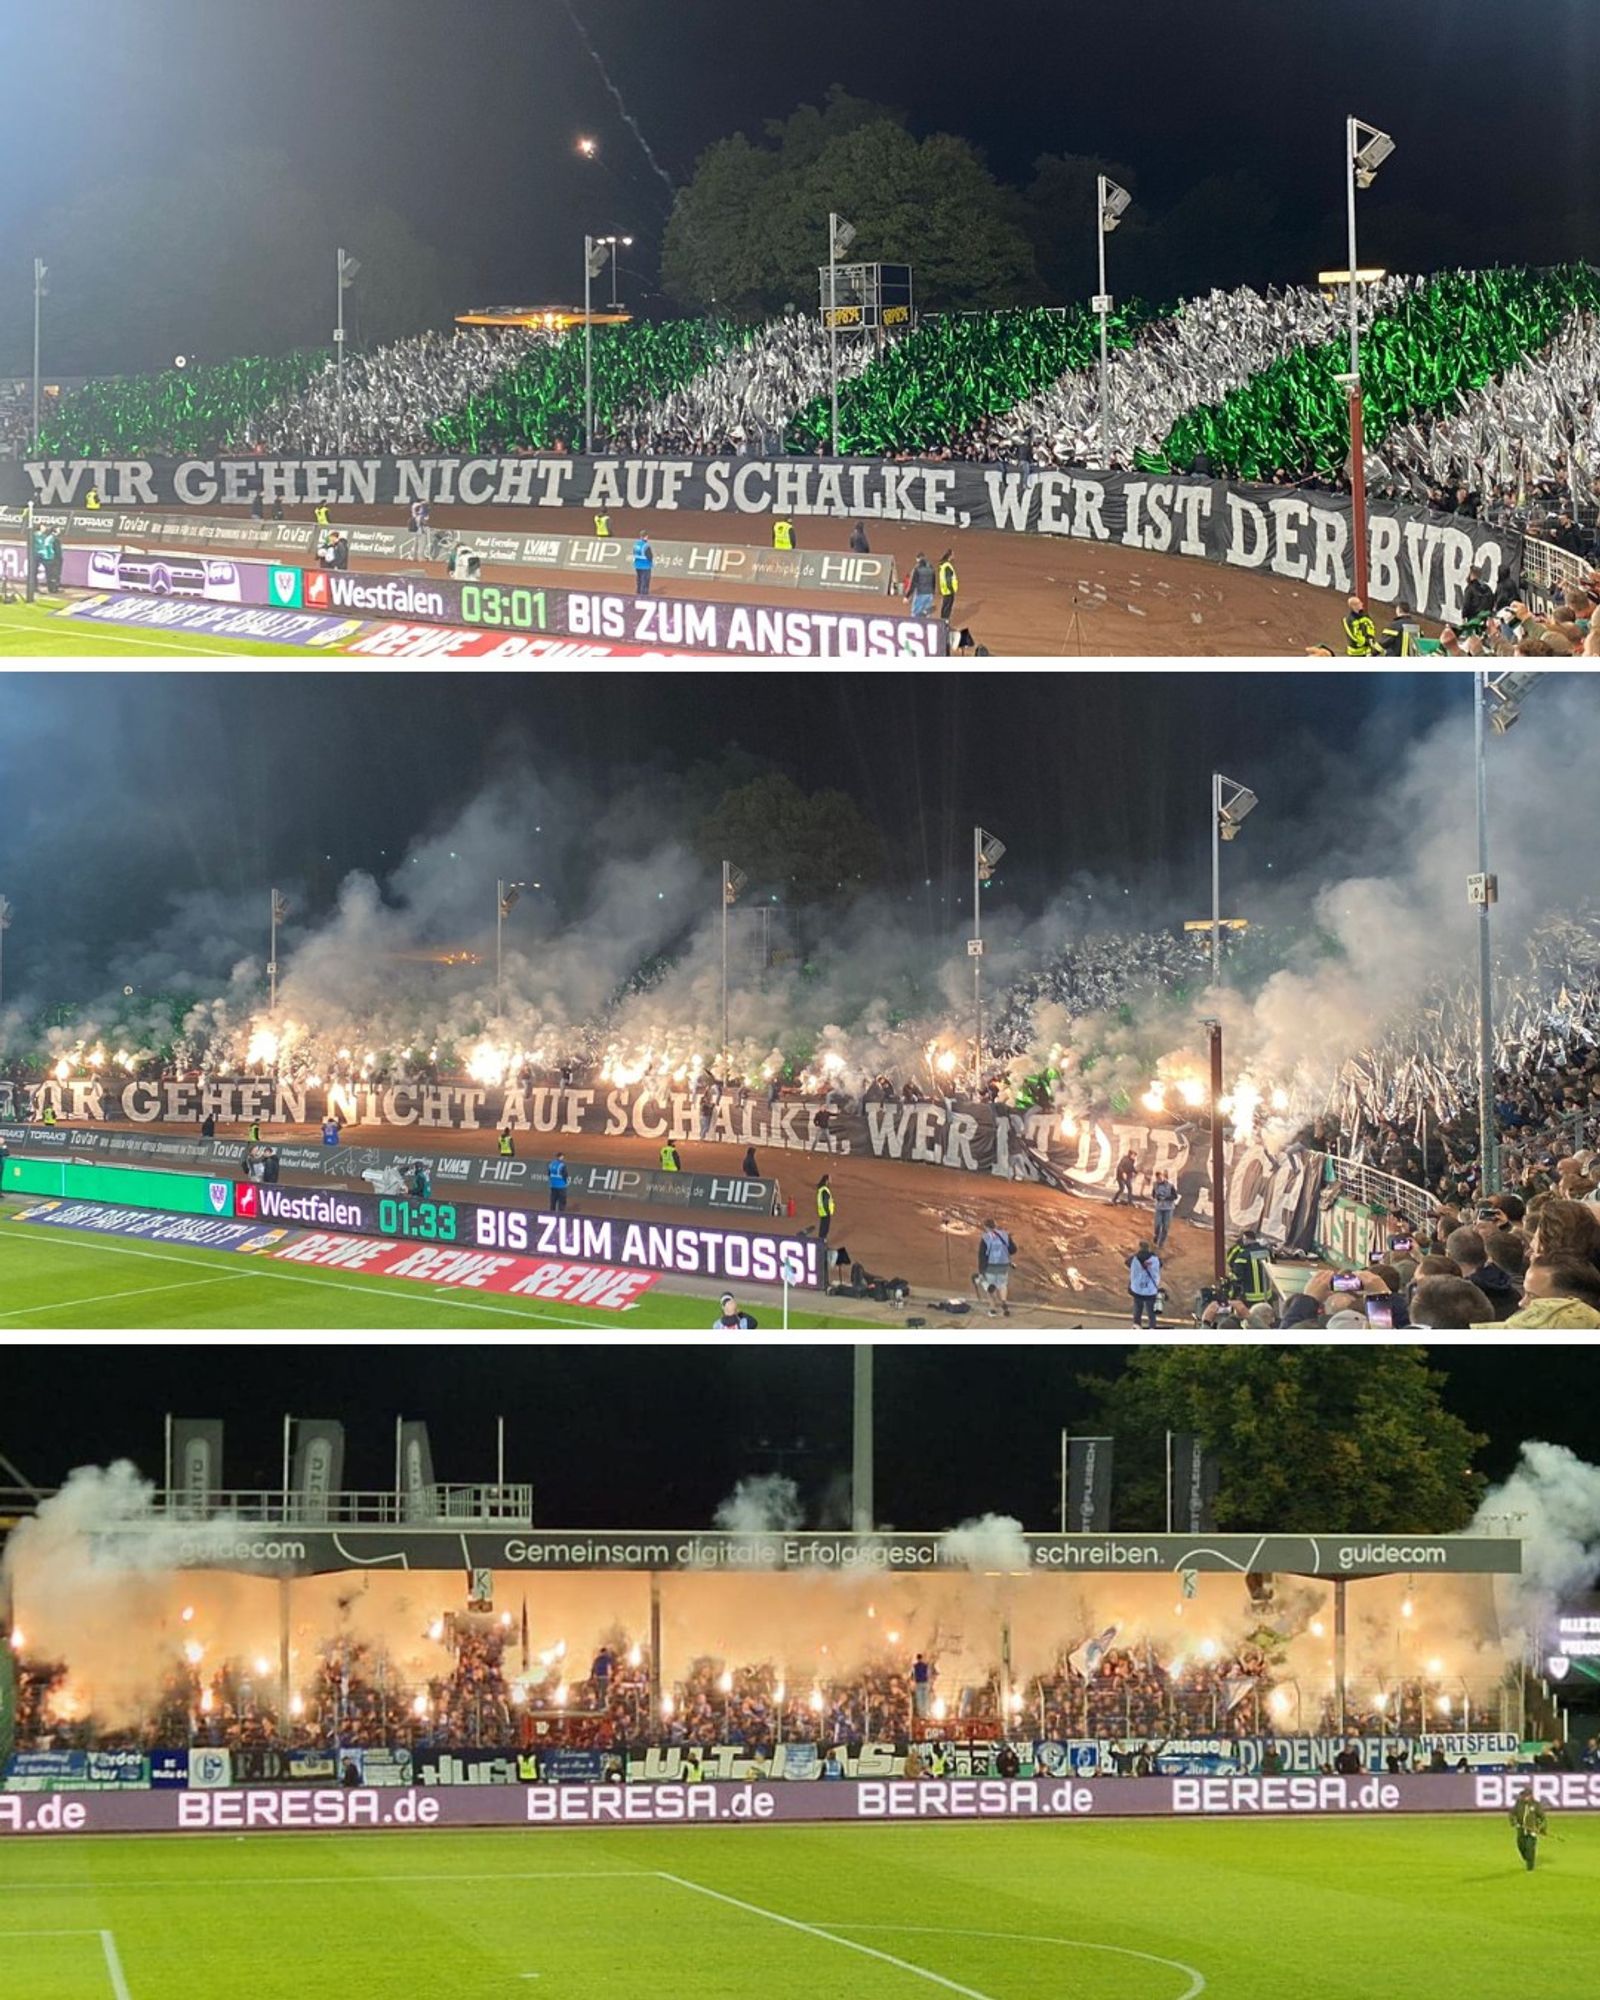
(863, 297)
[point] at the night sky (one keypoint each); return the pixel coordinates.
(464, 116)
(656, 1436)
(226, 782)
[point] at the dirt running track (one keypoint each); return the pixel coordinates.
(1032, 595)
(901, 1221)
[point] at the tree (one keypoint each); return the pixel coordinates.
(809, 847)
(750, 230)
(1059, 214)
(716, 254)
(1308, 1439)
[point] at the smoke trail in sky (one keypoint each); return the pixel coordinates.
(605, 75)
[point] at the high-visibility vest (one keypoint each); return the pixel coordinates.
(255, 1132)
(1360, 636)
(642, 558)
(669, 1159)
(322, 517)
(92, 499)
(947, 579)
(783, 534)
(824, 1201)
(602, 526)
(1248, 1265)
(49, 1117)
(505, 1145)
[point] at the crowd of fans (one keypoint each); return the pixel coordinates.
(391, 399)
(742, 402)
(540, 404)
(1501, 1261)
(353, 1699)
(1187, 360)
(1480, 392)
(179, 413)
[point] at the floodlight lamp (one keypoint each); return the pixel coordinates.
(1114, 204)
(1367, 158)
(1235, 804)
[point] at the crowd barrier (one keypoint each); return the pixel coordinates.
(1295, 534)
(228, 1809)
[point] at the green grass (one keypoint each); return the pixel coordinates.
(34, 629)
(1137, 1910)
(51, 1278)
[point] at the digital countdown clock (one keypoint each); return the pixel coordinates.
(506, 607)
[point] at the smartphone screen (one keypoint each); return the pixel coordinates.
(1380, 1312)
(1347, 1281)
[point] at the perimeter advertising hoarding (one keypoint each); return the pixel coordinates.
(683, 1249)
(734, 1193)
(676, 624)
(725, 562)
(671, 624)
(1414, 556)
(867, 1801)
(310, 1551)
(124, 1187)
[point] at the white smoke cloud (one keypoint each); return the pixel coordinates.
(766, 1505)
(991, 1542)
(1551, 1502)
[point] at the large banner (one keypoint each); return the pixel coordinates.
(314, 1551)
(363, 1807)
(737, 1194)
(1089, 1484)
(1273, 1193)
(1423, 558)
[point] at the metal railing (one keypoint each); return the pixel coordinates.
(470, 1506)
(1548, 572)
(1380, 1190)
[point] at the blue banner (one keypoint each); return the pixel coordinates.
(205, 1231)
(570, 1767)
(36, 1770)
(169, 1770)
(222, 621)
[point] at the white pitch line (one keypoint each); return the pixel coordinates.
(253, 1883)
(828, 1937)
(1197, 1980)
(119, 1985)
(43, 1235)
(104, 1298)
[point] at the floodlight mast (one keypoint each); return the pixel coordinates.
(1112, 203)
(1231, 804)
(1366, 149)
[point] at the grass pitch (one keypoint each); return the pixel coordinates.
(34, 631)
(50, 1279)
(1136, 1910)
